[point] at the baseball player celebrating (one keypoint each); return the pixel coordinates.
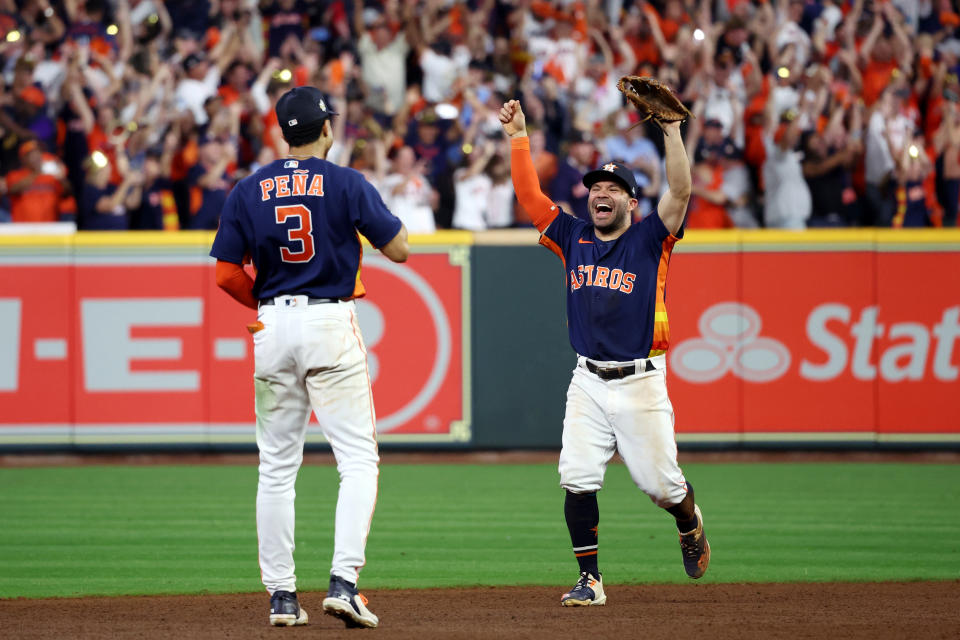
(298, 218)
(617, 399)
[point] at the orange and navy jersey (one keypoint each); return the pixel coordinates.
(299, 222)
(615, 289)
(912, 210)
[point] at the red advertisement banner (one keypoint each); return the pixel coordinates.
(139, 350)
(838, 345)
(109, 343)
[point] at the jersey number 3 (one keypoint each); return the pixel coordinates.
(303, 234)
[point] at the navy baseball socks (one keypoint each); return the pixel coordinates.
(285, 610)
(583, 518)
(345, 602)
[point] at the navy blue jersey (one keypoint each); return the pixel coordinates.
(616, 288)
(298, 220)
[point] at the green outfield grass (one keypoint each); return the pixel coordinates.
(190, 529)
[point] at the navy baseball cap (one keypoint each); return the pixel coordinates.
(615, 171)
(301, 113)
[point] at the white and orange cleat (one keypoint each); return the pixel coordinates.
(345, 602)
(587, 592)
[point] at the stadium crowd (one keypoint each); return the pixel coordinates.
(141, 114)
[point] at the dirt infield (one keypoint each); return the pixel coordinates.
(706, 611)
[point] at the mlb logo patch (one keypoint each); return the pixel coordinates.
(292, 122)
(291, 164)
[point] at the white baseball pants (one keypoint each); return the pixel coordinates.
(312, 356)
(631, 415)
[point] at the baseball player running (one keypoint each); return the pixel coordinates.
(617, 399)
(298, 218)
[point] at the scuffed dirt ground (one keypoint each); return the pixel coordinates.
(705, 611)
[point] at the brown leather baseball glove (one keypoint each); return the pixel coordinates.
(654, 100)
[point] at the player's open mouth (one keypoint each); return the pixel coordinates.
(603, 207)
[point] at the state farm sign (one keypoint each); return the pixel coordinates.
(730, 343)
(907, 359)
(851, 342)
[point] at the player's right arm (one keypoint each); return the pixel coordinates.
(397, 249)
(541, 209)
(371, 217)
(234, 280)
(229, 248)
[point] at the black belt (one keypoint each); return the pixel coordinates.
(268, 301)
(615, 373)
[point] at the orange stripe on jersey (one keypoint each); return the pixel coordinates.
(358, 289)
(196, 199)
(901, 212)
(661, 327)
(553, 246)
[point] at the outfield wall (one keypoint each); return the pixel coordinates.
(843, 337)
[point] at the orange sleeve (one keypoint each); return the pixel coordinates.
(235, 281)
(540, 208)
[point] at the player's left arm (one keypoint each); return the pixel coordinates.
(673, 204)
